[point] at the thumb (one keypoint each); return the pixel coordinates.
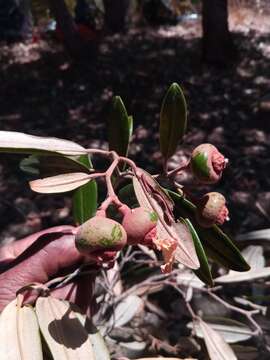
(49, 254)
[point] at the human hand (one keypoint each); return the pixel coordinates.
(40, 257)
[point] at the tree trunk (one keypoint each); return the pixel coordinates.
(75, 45)
(218, 47)
(115, 15)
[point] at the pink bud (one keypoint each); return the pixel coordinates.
(207, 163)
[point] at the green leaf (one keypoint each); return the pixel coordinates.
(120, 127)
(84, 200)
(216, 243)
(203, 272)
(130, 124)
(220, 248)
(127, 195)
(173, 120)
(45, 166)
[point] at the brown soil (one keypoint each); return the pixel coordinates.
(43, 93)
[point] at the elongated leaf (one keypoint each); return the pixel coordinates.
(99, 346)
(119, 126)
(184, 235)
(203, 272)
(125, 311)
(63, 332)
(12, 141)
(60, 183)
(188, 278)
(100, 349)
(216, 243)
(231, 333)
(245, 352)
(84, 200)
(216, 346)
(186, 256)
(51, 165)
(173, 120)
(19, 331)
(254, 256)
(255, 235)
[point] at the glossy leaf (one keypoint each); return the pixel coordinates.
(254, 256)
(60, 183)
(216, 243)
(203, 272)
(63, 332)
(221, 248)
(16, 142)
(20, 338)
(216, 346)
(84, 202)
(173, 120)
(119, 127)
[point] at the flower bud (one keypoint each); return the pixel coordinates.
(212, 209)
(100, 234)
(207, 163)
(140, 225)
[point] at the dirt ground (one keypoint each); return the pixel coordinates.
(43, 93)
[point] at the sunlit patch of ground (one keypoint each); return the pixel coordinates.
(43, 93)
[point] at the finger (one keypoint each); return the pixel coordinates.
(9, 252)
(49, 254)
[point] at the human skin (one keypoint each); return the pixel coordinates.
(39, 258)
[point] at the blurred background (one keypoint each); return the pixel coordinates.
(61, 63)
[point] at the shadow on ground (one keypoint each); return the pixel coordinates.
(42, 93)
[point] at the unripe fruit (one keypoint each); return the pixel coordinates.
(139, 224)
(207, 163)
(211, 210)
(100, 234)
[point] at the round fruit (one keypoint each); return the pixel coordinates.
(211, 210)
(100, 233)
(138, 223)
(207, 163)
